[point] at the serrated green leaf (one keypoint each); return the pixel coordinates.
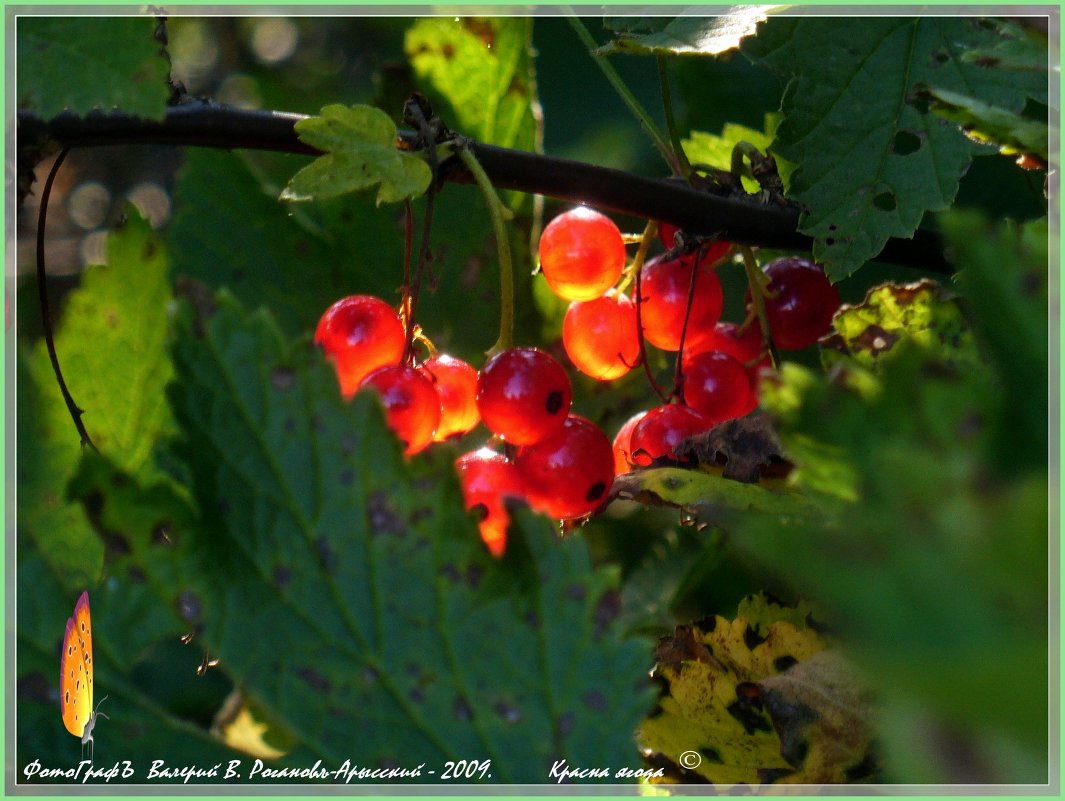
(85, 63)
(871, 160)
(482, 69)
(360, 145)
(384, 611)
(111, 345)
(685, 36)
(1021, 47)
(920, 313)
(991, 125)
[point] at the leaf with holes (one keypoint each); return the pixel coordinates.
(713, 704)
(922, 313)
(384, 611)
(360, 152)
(82, 63)
(684, 36)
(872, 160)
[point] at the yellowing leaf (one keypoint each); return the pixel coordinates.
(360, 145)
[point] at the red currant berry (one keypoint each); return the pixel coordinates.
(456, 383)
(359, 334)
(623, 444)
(523, 395)
(667, 233)
(800, 304)
(581, 254)
(569, 473)
(745, 346)
(718, 386)
(664, 286)
(600, 336)
(412, 406)
(662, 429)
(488, 480)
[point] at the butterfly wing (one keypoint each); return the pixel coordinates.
(75, 669)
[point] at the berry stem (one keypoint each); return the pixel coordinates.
(506, 266)
(639, 327)
(757, 281)
(671, 124)
(678, 372)
(626, 95)
(646, 238)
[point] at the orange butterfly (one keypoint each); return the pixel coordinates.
(75, 675)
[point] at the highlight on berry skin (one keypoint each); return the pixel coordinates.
(600, 336)
(456, 384)
(489, 481)
(359, 334)
(523, 395)
(582, 254)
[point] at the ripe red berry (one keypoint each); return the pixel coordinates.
(623, 444)
(662, 429)
(718, 386)
(664, 288)
(581, 254)
(745, 346)
(801, 302)
(456, 384)
(523, 395)
(569, 473)
(359, 334)
(600, 336)
(488, 480)
(412, 407)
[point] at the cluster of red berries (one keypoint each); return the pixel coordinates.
(582, 256)
(560, 463)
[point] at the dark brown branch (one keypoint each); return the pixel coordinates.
(745, 222)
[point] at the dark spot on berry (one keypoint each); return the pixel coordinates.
(885, 201)
(554, 402)
(595, 492)
(752, 639)
(905, 143)
(282, 576)
(595, 701)
(462, 709)
(782, 663)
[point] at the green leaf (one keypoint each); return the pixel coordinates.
(684, 36)
(707, 148)
(360, 145)
(871, 159)
(111, 342)
(706, 492)
(921, 313)
(990, 125)
(346, 589)
(83, 63)
(482, 69)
